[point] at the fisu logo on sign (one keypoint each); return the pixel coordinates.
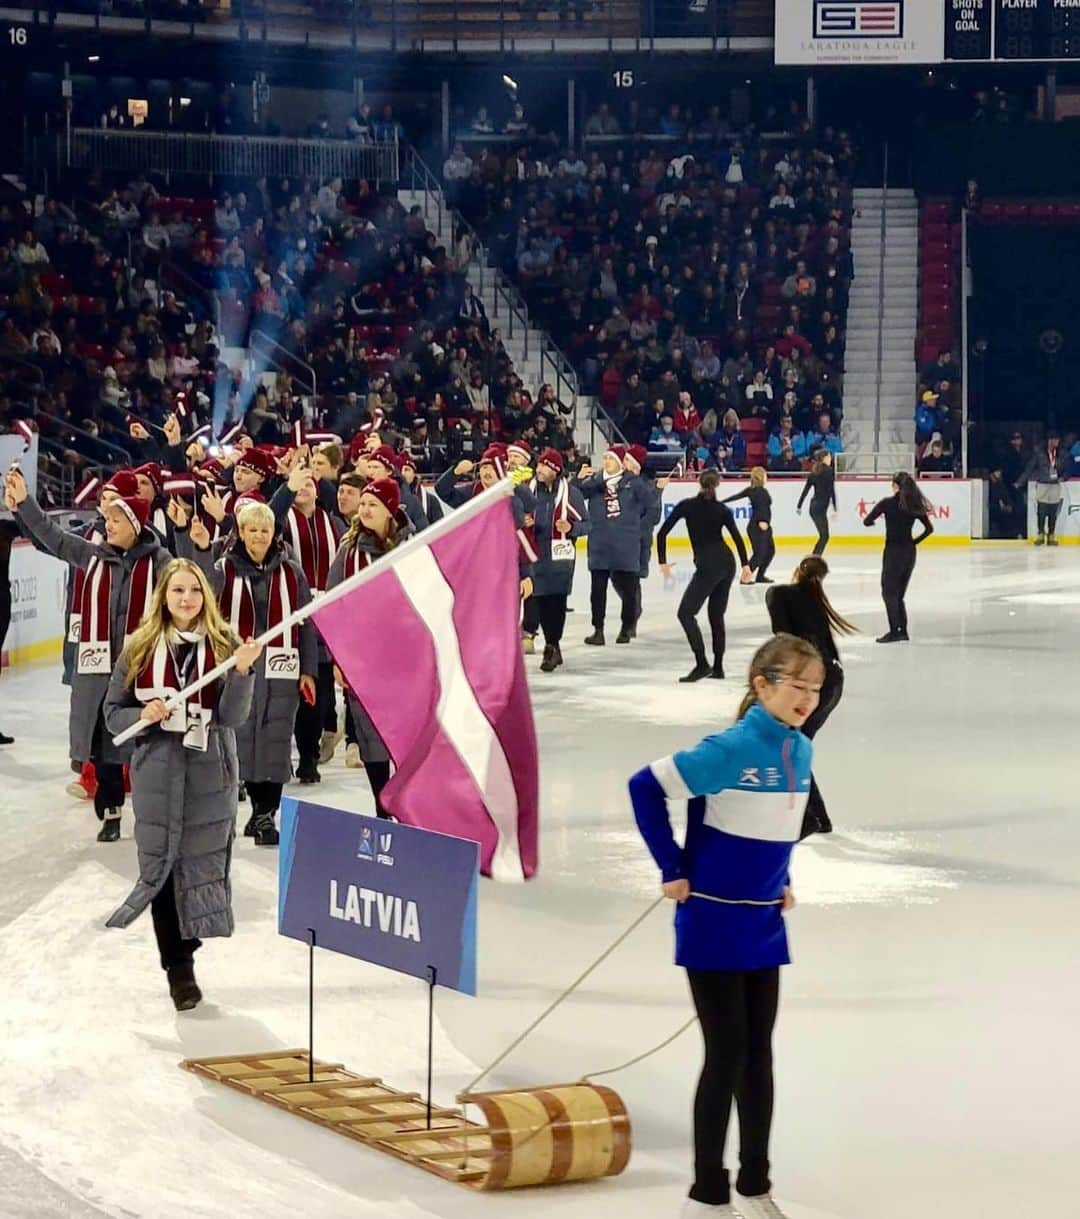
(386, 841)
(858, 19)
(366, 849)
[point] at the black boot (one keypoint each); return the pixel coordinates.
(558, 654)
(241, 794)
(549, 664)
(264, 831)
(717, 670)
(596, 639)
(6, 740)
(110, 826)
(308, 771)
(700, 670)
(183, 989)
(891, 637)
(624, 635)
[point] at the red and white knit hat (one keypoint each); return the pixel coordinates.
(124, 484)
(154, 472)
(636, 457)
(519, 448)
(135, 508)
(552, 458)
(495, 455)
(259, 462)
(618, 451)
(386, 491)
(385, 456)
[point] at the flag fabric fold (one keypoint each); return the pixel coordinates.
(430, 645)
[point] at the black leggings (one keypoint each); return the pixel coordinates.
(737, 1011)
(820, 517)
(110, 775)
(311, 721)
(897, 564)
(626, 585)
(172, 947)
(546, 612)
(763, 549)
(710, 582)
(832, 690)
(1046, 515)
(264, 797)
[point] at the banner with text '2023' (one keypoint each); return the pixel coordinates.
(862, 32)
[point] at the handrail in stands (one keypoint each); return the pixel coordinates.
(507, 298)
(287, 361)
(123, 457)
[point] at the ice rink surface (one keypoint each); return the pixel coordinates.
(926, 1048)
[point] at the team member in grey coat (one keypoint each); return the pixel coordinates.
(184, 777)
(560, 517)
(634, 462)
(617, 504)
(257, 586)
(381, 523)
(1047, 469)
(120, 574)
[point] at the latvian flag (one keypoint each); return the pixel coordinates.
(858, 18)
(438, 667)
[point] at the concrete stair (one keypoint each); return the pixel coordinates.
(881, 330)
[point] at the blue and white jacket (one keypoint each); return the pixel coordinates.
(747, 789)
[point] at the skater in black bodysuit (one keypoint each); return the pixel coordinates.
(714, 570)
(801, 608)
(821, 481)
(759, 528)
(906, 506)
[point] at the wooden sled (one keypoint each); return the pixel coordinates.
(535, 1136)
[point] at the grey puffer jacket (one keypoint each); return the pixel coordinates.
(264, 740)
(185, 809)
(88, 689)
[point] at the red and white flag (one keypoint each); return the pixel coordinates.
(437, 664)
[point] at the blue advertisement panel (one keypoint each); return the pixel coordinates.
(391, 894)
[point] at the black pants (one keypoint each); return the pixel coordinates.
(820, 517)
(710, 582)
(897, 564)
(311, 721)
(626, 585)
(530, 616)
(350, 727)
(1046, 515)
(172, 947)
(551, 616)
(737, 1011)
(264, 797)
(110, 775)
(832, 690)
(763, 549)
(378, 774)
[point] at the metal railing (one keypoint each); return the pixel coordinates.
(456, 25)
(173, 278)
(109, 453)
(209, 155)
(276, 356)
(883, 461)
(507, 302)
(880, 372)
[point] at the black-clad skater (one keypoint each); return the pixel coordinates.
(901, 510)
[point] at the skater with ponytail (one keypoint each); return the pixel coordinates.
(802, 608)
(747, 792)
(902, 510)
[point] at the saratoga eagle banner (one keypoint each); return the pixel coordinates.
(429, 641)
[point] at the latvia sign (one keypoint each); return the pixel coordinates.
(391, 894)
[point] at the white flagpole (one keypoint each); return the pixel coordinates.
(501, 490)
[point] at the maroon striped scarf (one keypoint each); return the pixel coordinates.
(160, 678)
(238, 607)
(95, 635)
(314, 543)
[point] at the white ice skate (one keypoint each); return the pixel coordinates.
(761, 1207)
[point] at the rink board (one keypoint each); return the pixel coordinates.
(38, 601)
(954, 505)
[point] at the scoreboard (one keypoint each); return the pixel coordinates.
(1012, 29)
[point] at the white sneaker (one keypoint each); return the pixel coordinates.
(761, 1207)
(702, 1210)
(328, 745)
(353, 760)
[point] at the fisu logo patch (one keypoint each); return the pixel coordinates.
(750, 776)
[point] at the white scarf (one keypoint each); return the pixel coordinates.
(161, 679)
